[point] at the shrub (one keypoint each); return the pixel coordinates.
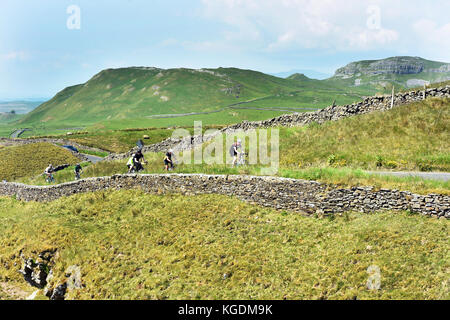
(424, 166)
(391, 164)
(331, 159)
(379, 161)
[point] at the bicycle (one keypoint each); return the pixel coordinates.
(242, 160)
(137, 167)
(49, 177)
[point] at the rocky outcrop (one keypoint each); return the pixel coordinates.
(395, 65)
(279, 193)
(38, 272)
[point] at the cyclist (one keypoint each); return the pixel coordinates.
(138, 160)
(78, 170)
(168, 161)
(234, 151)
(49, 173)
(130, 164)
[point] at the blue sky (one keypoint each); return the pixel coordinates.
(40, 55)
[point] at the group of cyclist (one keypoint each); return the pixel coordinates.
(137, 160)
(135, 163)
(50, 170)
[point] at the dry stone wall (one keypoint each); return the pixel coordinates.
(332, 113)
(279, 193)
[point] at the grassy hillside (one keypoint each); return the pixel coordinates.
(409, 137)
(130, 245)
(8, 117)
(121, 97)
(32, 159)
(128, 93)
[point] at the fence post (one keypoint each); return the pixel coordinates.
(392, 100)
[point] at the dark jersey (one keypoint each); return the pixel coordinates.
(78, 168)
(138, 157)
(233, 151)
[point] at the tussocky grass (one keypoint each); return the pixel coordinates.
(131, 245)
(31, 159)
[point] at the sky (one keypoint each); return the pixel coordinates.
(47, 45)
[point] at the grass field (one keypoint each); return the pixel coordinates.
(116, 98)
(130, 245)
(345, 177)
(31, 159)
(410, 137)
(225, 117)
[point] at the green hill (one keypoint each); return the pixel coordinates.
(147, 93)
(299, 77)
(137, 92)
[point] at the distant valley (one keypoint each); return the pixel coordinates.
(19, 106)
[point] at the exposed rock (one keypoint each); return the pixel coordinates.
(59, 293)
(395, 65)
(35, 273)
(74, 278)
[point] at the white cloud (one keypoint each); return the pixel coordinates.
(301, 23)
(338, 25)
(434, 36)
